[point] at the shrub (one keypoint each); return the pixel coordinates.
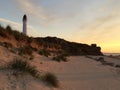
(25, 50)
(60, 58)
(7, 45)
(23, 66)
(50, 79)
(31, 57)
(117, 66)
(19, 36)
(9, 30)
(3, 33)
(44, 52)
(30, 40)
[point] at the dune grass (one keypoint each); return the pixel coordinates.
(26, 50)
(50, 79)
(44, 52)
(60, 57)
(22, 66)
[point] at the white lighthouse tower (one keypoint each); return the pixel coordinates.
(25, 24)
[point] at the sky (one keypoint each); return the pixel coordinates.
(82, 21)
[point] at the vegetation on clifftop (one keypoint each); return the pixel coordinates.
(52, 44)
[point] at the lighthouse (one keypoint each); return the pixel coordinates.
(25, 24)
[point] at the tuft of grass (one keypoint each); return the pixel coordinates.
(26, 50)
(50, 79)
(23, 66)
(6, 44)
(117, 66)
(31, 57)
(60, 58)
(44, 52)
(19, 36)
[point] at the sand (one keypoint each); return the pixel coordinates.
(79, 73)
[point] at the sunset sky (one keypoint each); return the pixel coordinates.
(83, 21)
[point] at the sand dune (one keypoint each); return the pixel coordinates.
(79, 73)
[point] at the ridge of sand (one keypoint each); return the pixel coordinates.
(79, 73)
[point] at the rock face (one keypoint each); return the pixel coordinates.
(52, 44)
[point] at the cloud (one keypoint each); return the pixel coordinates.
(18, 26)
(39, 14)
(15, 25)
(9, 21)
(100, 21)
(99, 30)
(30, 8)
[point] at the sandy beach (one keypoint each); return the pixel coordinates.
(60, 45)
(78, 73)
(85, 74)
